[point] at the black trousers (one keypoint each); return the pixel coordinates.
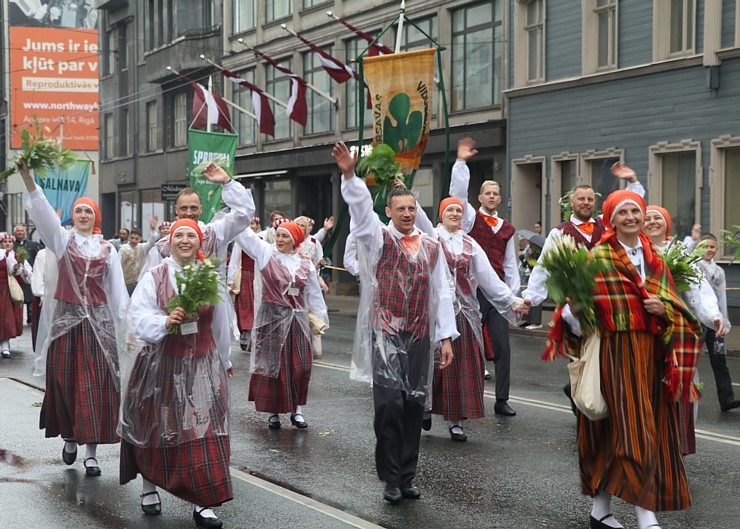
(719, 366)
(498, 330)
(398, 414)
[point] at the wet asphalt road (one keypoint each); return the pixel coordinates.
(514, 473)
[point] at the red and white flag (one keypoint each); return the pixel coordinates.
(297, 107)
(375, 49)
(260, 103)
(208, 108)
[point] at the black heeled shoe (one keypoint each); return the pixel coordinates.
(92, 470)
(208, 523)
(298, 423)
(599, 524)
(153, 509)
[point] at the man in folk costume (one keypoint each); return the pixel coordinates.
(216, 238)
(406, 308)
(584, 229)
(84, 306)
(648, 357)
(458, 389)
(496, 236)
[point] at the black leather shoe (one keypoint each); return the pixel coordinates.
(733, 404)
(502, 408)
(426, 423)
(273, 423)
(153, 509)
(92, 471)
(458, 436)
(208, 523)
(298, 423)
(392, 494)
(411, 492)
(69, 457)
(599, 524)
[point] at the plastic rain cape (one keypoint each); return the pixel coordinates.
(174, 388)
(280, 314)
(397, 310)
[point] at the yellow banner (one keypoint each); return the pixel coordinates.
(401, 86)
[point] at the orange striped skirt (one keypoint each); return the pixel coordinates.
(634, 454)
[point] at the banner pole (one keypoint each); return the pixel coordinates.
(399, 34)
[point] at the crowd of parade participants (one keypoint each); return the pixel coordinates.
(121, 364)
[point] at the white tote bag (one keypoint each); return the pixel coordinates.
(585, 380)
(16, 291)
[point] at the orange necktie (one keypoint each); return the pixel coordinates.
(411, 243)
(586, 227)
(490, 220)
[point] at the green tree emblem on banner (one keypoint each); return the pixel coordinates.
(405, 134)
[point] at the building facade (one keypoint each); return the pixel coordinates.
(654, 84)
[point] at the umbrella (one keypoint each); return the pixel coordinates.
(534, 238)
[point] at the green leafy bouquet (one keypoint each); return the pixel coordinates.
(198, 285)
(731, 240)
(381, 165)
(572, 279)
(21, 254)
(682, 264)
(39, 153)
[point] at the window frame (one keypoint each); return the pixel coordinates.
(591, 36)
(273, 76)
(585, 168)
(312, 97)
(152, 126)
(351, 89)
(717, 180)
(235, 8)
(237, 93)
(556, 183)
(662, 31)
(270, 18)
(516, 171)
(109, 131)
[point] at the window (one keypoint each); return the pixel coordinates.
(107, 57)
(674, 182)
(321, 114)
(122, 47)
(244, 13)
(477, 59)
(724, 185)
(527, 184)
(124, 137)
(129, 209)
(674, 31)
(311, 3)
(278, 85)
(596, 170)
(413, 39)
(351, 88)
(599, 35)
(535, 27)
(245, 126)
(276, 9)
(152, 141)
(109, 137)
(177, 122)
(564, 174)
(278, 196)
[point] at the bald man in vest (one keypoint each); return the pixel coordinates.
(496, 236)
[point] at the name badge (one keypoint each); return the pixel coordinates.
(293, 291)
(189, 328)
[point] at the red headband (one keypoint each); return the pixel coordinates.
(663, 213)
(294, 230)
(447, 202)
(90, 203)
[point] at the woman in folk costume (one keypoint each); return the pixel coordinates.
(11, 312)
(243, 265)
(647, 363)
(311, 248)
(281, 338)
(700, 299)
(174, 419)
(83, 306)
(458, 389)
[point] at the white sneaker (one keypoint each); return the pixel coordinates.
(533, 326)
(6, 354)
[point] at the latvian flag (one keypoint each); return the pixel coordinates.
(208, 108)
(260, 103)
(297, 106)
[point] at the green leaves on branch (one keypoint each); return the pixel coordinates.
(572, 279)
(731, 240)
(21, 254)
(682, 265)
(198, 285)
(381, 164)
(39, 153)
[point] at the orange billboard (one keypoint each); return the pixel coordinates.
(54, 79)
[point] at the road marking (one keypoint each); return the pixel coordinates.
(702, 434)
(327, 510)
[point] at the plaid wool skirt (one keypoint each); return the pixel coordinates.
(244, 301)
(81, 400)
(458, 389)
(290, 388)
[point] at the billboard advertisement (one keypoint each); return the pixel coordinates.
(54, 71)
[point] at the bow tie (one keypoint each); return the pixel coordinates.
(634, 251)
(586, 227)
(411, 243)
(490, 220)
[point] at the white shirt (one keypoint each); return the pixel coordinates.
(350, 256)
(39, 273)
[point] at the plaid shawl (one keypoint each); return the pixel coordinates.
(618, 298)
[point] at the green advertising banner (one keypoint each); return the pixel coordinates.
(205, 147)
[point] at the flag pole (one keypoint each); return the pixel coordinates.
(268, 96)
(210, 91)
(399, 35)
(332, 100)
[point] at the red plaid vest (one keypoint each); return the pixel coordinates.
(247, 263)
(404, 287)
(494, 244)
(569, 228)
(83, 275)
(459, 266)
(276, 282)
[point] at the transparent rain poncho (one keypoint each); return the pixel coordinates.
(286, 289)
(85, 284)
(174, 386)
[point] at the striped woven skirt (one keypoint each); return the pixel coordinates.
(244, 301)
(458, 389)
(635, 453)
(290, 388)
(81, 400)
